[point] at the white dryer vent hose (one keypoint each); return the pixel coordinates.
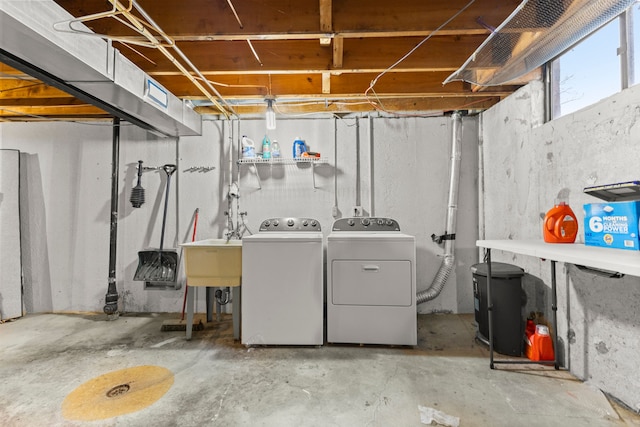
(454, 179)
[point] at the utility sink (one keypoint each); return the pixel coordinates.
(213, 262)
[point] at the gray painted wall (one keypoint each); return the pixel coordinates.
(66, 176)
(526, 165)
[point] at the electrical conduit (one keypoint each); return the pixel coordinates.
(454, 179)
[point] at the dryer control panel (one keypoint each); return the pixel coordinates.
(366, 224)
(290, 224)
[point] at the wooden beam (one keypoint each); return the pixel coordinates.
(42, 102)
(285, 17)
(314, 35)
(37, 112)
(326, 82)
(390, 105)
(326, 25)
(27, 89)
(338, 52)
(310, 85)
(289, 55)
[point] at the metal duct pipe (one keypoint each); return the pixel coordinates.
(111, 298)
(450, 232)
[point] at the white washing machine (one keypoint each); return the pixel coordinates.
(282, 283)
(371, 283)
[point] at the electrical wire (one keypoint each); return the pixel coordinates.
(432, 114)
(236, 86)
(445, 23)
(306, 114)
(233, 9)
(333, 114)
(253, 50)
(137, 52)
(374, 81)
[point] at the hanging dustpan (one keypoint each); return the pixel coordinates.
(159, 265)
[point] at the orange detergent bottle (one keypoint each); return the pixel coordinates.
(538, 344)
(560, 225)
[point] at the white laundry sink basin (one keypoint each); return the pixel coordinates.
(213, 262)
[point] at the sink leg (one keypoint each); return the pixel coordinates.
(218, 310)
(210, 298)
(190, 299)
(235, 304)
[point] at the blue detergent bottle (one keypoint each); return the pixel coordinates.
(299, 147)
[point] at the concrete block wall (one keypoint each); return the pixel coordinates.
(399, 167)
(526, 165)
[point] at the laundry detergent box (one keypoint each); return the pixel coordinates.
(612, 225)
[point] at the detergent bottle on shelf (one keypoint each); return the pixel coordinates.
(560, 224)
(266, 147)
(275, 149)
(299, 147)
(248, 147)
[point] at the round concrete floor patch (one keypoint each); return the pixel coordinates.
(117, 393)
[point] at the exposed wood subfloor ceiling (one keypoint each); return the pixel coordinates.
(308, 55)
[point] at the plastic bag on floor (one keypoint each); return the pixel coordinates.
(429, 415)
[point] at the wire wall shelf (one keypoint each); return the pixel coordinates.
(313, 161)
(283, 161)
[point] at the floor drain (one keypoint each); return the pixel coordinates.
(118, 390)
(135, 389)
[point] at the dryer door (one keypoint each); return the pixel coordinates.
(371, 282)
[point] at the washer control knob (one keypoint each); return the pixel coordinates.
(351, 222)
(380, 221)
(305, 223)
(389, 222)
(314, 223)
(276, 223)
(290, 222)
(366, 222)
(267, 223)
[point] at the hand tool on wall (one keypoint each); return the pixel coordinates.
(137, 192)
(158, 265)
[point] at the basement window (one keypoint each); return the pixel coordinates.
(588, 72)
(602, 64)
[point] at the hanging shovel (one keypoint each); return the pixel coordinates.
(158, 265)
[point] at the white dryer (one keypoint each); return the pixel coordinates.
(371, 283)
(282, 283)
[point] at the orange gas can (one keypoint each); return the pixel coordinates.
(560, 225)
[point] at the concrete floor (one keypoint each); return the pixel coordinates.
(218, 381)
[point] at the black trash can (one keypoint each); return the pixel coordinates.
(506, 295)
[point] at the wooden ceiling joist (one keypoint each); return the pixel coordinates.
(326, 25)
(327, 51)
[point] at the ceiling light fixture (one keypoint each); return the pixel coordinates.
(270, 115)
